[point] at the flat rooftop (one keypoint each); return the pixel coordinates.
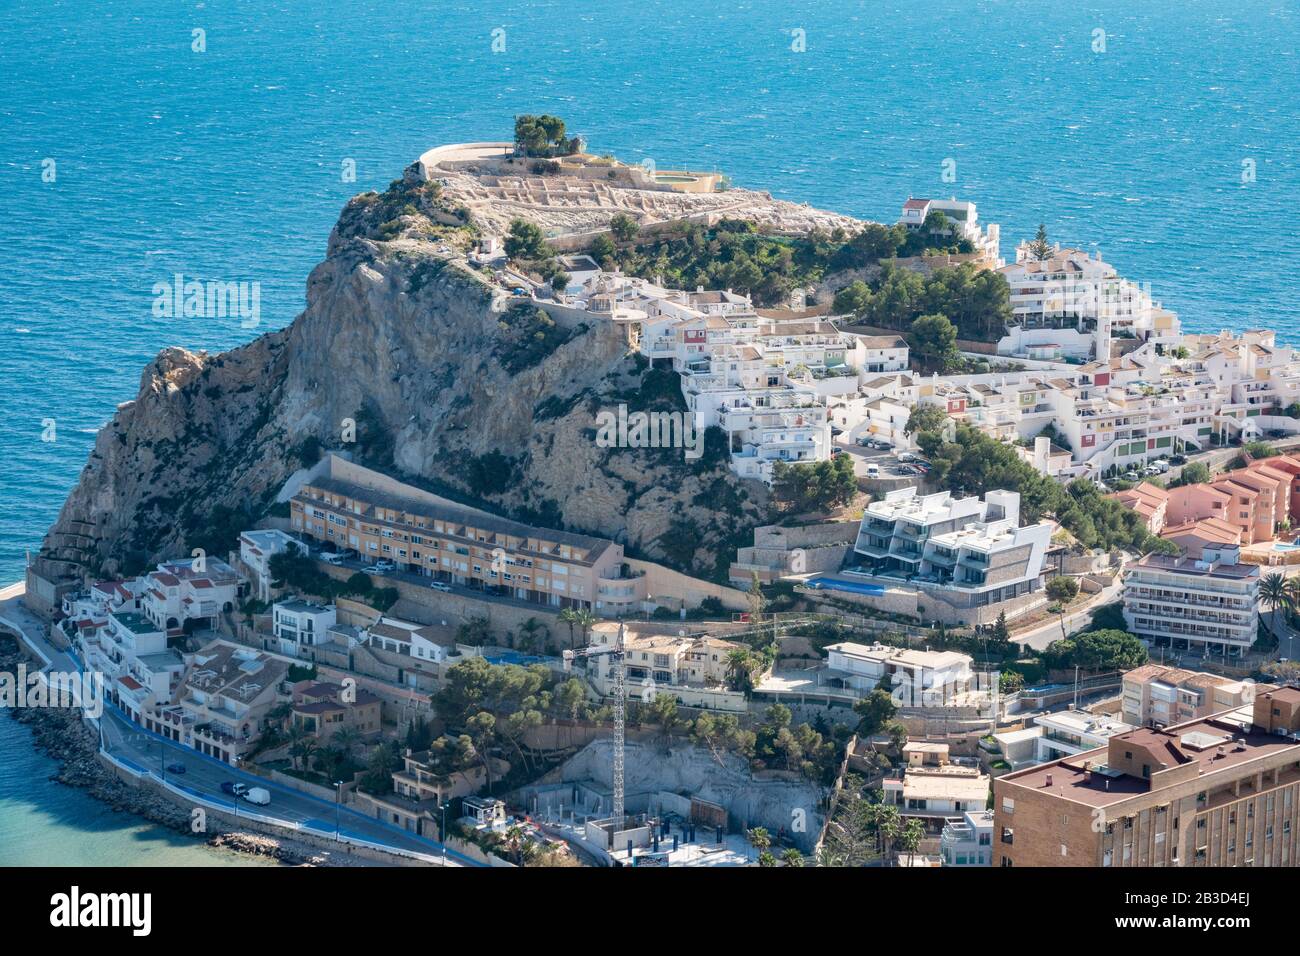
(1072, 780)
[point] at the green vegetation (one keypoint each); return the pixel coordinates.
(525, 241)
(1040, 248)
(976, 301)
(1062, 589)
(934, 340)
(975, 463)
(1096, 651)
(543, 136)
(814, 486)
(526, 336)
(1193, 473)
(296, 570)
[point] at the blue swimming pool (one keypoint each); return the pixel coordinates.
(833, 584)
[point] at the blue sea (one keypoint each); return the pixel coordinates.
(139, 140)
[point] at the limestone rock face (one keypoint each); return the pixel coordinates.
(401, 337)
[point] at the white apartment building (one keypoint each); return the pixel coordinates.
(1075, 304)
(1207, 605)
(974, 551)
(968, 840)
(256, 549)
(299, 625)
(224, 699)
(140, 670)
(768, 378)
(935, 793)
(199, 590)
(933, 677)
(692, 670)
(962, 217)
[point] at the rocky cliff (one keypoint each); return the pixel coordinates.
(448, 388)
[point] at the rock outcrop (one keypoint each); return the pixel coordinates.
(448, 387)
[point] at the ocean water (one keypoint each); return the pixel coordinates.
(228, 163)
(43, 823)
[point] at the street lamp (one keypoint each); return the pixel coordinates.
(442, 832)
(338, 794)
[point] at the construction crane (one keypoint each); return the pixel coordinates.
(619, 661)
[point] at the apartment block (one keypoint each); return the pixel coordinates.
(1148, 500)
(181, 592)
(1206, 604)
(1217, 791)
(225, 696)
(422, 533)
(300, 626)
(140, 671)
(973, 553)
(693, 670)
(1159, 696)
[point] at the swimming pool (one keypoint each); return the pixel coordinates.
(831, 584)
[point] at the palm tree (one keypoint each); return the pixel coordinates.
(910, 838)
(739, 669)
(585, 620)
(792, 857)
(346, 740)
(528, 634)
(1273, 594)
(760, 840)
(570, 617)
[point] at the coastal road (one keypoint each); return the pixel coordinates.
(203, 776)
(148, 752)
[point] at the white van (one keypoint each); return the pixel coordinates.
(873, 470)
(258, 795)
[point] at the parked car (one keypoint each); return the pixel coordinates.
(873, 471)
(176, 768)
(331, 557)
(439, 586)
(383, 567)
(906, 456)
(1132, 476)
(258, 796)
(884, 446)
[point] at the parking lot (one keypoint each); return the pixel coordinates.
(885, 460)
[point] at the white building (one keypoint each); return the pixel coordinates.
(967, 547)
(962, 218)
(198, 590)
(1208, 605)
(140, 670)
(968, 840)
(1071, 732)
(930, 678)
(301, 624)
(430, 643)
(1074, 304)
(256, 549)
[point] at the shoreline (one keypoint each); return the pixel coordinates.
(61, 735)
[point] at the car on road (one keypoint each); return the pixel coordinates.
(873, 471)
(383, 567)
(176, 768)
(234, 789)
(258, 795)
(331, 557)
(439, 586)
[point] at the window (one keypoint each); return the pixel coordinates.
(1008, 805)
(1008, 835)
